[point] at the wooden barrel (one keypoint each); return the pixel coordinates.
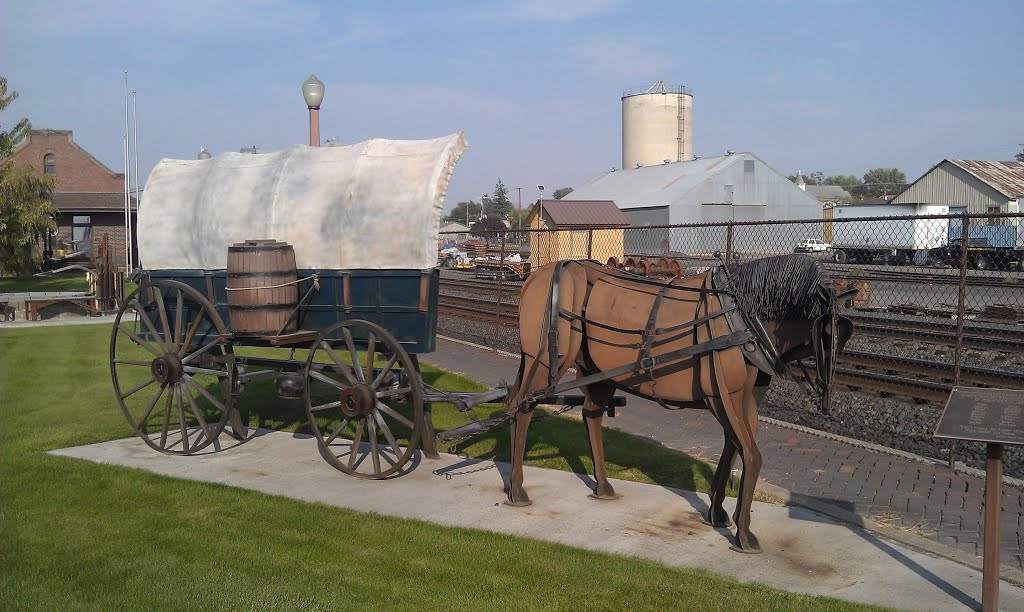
(262, 292)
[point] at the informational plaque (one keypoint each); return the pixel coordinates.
(983, 415)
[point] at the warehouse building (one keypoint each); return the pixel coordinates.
(733, 187)
(977, 187)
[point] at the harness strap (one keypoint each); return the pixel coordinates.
(647, 335)
(572, 316)
(552, 322)
(715, 344)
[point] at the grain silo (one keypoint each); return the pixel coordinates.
(657, 125)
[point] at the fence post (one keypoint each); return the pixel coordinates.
(501, 291)
(728, 243)
(590, 243)
(961, 308)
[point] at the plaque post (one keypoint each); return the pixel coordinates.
(993, 509)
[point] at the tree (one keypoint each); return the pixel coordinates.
(882, 181)
(464, 212)
(812, 178)
(561, 192)
(26, 211)
(499, 205)
(1020, 156)
(488, 227)
(846, 181)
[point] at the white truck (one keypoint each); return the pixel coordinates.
(855, 239)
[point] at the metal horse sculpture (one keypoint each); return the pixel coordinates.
(712, 341)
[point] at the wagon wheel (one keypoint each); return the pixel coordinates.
(613, 262)
(364, 399)
(172, 366)
(676, 268)
(642, 267)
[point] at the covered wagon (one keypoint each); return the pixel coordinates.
(330, 252)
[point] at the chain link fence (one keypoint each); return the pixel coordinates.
(931, 308)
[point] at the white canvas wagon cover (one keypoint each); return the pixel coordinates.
(372, 205)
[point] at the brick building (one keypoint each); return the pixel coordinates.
(89, 197)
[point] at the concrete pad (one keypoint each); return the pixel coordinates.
(804, 552)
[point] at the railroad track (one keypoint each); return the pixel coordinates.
(920, 380)
(938, 332)
(936, 277)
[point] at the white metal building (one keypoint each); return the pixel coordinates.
(734, 187)
(979, 187)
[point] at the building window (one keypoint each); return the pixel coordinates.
(81, 232)
(748, 165)
(994, 210)
(50, 163)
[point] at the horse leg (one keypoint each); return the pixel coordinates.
(516, 493)
(744, 424)
(717, 515)
(597, 397)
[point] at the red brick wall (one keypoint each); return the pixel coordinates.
(77, 170)
(110, 224)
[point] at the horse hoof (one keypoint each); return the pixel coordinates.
(747, 544)
(717, 520)
(518, 497)
(604, 496)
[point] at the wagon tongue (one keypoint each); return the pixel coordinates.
(472, 429)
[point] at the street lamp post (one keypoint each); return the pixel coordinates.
(313, 93)
(519, 208)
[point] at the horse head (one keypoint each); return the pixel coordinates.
(829, 334)
(797, 303)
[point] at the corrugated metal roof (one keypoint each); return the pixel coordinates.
(654, 185)
(602, 213)
(828, 192)
(81, 200)
(1006, 177)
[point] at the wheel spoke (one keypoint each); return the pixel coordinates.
(394, 392)
(355, 444)
(134, 362)
(138, 388)
(387, 433)
(198, 413)
(191, 332)
(163, 319)
(150, 407)
(342, 368)
(141, 313)
(372, 431)
(327, 379)
(139, 340)
(398, 416)
(337, 431)
(195, 370)
(167, 419)
(181, 417)
(350, 342)
(384, 371)
(191, 356)
(371, 355)
(188, 379)
(326, 406)
(177, 323)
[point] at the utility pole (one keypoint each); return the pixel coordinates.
(519, 206)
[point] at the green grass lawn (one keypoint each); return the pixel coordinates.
(78, 535)
(41, 283)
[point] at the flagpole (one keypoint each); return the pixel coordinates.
(131, 221)
(127, 183)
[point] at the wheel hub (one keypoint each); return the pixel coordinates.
(359, 400)
(167, 369)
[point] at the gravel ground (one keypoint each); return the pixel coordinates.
(887, 421)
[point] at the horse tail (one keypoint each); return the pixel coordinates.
(550, 328)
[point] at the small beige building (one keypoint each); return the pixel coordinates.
(974, 186)
(577, 229)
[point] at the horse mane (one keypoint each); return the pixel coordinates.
(780, 287)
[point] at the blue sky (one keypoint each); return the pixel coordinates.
(837, 86)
